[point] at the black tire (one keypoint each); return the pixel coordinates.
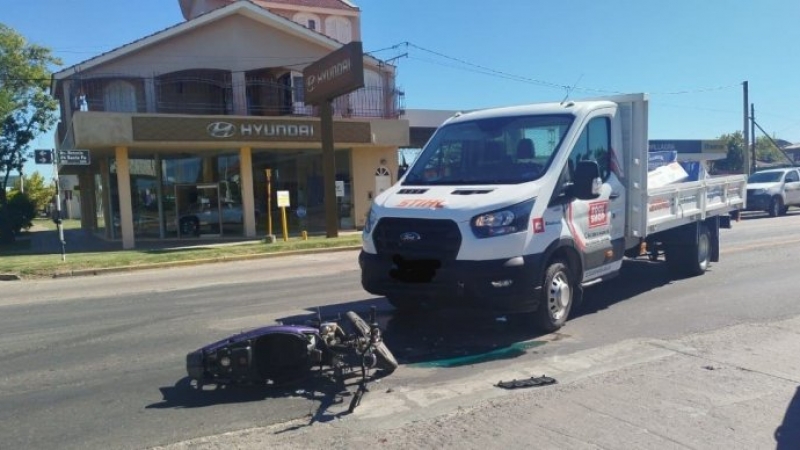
(190, 227)
(693, 259)
(775, 207)
(558, 296)
(385, 359)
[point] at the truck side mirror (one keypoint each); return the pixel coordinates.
(587, 181)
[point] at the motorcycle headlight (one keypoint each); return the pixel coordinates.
(513, 219)
(372, 218)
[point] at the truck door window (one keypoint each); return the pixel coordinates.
(593, 145)
(792, 177)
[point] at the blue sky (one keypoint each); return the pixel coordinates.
(690, 55)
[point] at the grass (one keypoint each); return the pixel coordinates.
(35, 266)
(48, 224)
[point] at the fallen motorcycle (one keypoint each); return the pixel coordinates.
(280, 354)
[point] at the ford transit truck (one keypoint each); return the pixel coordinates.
(517, 209)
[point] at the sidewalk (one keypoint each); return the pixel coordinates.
(734, 388)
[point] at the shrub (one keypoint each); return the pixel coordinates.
(20, 212)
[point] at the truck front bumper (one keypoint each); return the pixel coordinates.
(758, 202)
(503, 285)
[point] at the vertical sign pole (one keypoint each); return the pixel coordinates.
(285, 224)
(269, 204)
(329, 170)
(58, 209)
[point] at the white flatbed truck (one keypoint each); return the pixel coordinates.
(516, 209)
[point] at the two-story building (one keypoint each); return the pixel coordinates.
(184, 126)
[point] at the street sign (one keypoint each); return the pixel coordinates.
(43, 156)
(283, 199)
(339, 188)
(74, 157)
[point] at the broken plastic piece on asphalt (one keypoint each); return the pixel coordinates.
(530, 382)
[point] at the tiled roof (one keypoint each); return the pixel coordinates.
(329, 4)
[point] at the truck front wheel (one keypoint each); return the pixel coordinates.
(776, 207)
(558, 293)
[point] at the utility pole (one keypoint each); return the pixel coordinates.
(746, 132)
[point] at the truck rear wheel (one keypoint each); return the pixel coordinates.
(693, 259)
(558, 293)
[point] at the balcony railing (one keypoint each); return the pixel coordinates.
(217, 97)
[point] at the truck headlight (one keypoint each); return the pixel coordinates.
(372, 218)
(513, 219)
(761, 192)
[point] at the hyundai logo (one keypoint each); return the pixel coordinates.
(221, 130)
(409, 237)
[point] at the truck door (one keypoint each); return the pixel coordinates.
(597, 225)
(792, 187)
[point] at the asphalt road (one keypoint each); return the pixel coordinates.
(99, 362)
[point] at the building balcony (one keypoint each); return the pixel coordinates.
(212, 92)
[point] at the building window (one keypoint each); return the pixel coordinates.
(308, 20)
(339, 28)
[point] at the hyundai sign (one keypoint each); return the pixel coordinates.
(338, 73)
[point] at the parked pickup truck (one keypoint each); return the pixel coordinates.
(517, 209)
(773, 190)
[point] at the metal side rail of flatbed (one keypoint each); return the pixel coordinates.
(682, 203)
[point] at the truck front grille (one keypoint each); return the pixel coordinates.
(417, 238)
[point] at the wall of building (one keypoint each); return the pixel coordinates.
(366, 162)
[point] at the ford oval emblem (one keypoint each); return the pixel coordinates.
(410, 236)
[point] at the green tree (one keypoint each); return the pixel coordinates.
(26, 108)
(38, 191)
(734, 162)
(767, 151)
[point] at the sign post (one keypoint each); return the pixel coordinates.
(57, 217)
(270, 237)
(338, 73)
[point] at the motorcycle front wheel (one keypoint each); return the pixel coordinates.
(385, 358)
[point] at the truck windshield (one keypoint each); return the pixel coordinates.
(498, 150)
(765, 177)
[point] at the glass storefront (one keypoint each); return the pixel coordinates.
(201, 196)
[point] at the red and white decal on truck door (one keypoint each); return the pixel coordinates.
(589, 223)
(598, 214)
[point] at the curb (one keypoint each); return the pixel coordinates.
(194, 262)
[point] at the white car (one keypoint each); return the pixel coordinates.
(773, 190)
(200, 215)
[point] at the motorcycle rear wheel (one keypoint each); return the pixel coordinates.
(385, 358)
